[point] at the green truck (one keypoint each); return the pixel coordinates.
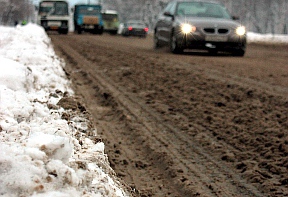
(88, 18)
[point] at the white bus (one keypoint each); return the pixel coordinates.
(53, 15)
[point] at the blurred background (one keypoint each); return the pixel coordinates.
(259, 16)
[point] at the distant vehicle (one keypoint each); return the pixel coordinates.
(120, 28)
(134, 28)
(53, 15)
(111, 21)
(88, 18)
(206, 25)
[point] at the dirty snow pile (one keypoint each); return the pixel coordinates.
(267, 38)
(42, 153)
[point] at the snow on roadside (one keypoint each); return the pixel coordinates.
(267, 38)
(48, 145)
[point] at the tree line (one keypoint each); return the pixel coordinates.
(14, 11)
(260, 16)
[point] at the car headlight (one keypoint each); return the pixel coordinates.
(240, 31)
(187, 28)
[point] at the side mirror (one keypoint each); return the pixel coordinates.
(72, 9)
(168, 14)
(235, 18)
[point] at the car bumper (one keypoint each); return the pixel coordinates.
(54, 25)
(55, 28)
(208, 42)
(135, 33)
(91, 27)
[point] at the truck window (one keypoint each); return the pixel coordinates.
(89, 11)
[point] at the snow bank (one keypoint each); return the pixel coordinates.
(46, 150)
(267, 38)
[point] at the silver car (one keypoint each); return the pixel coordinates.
(194, 24)
(135, 28)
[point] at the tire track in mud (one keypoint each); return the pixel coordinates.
(102, 90)
(163, 140)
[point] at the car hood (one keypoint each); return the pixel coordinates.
(208, 22)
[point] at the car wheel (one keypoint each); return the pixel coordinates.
(78, 29)
(213, 52)
(65, 31)
(174, 47)
(100, 31)
(113, 32)
(238, 53)
(156, 41)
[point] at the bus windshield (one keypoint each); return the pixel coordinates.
(53, 8)
(110, 17)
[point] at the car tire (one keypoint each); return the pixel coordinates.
(174, 47)
(113, 32)
(238, 53)
(124, 34)
(78, 29)
(213, 52)
(101, 31)
(156, 41)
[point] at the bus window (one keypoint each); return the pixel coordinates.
(53, 8)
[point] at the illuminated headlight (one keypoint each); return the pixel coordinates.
(240, 31)
(187, 28)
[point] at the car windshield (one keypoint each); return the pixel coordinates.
(202, 9)
(136, 24)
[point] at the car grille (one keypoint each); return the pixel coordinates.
(216, 30)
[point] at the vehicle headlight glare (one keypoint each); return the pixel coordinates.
(187, 28)
(240, 31)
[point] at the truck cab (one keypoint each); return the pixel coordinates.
(88, 18)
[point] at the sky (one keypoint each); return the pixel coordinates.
(43, 155)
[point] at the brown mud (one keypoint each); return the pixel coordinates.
(185, 125)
